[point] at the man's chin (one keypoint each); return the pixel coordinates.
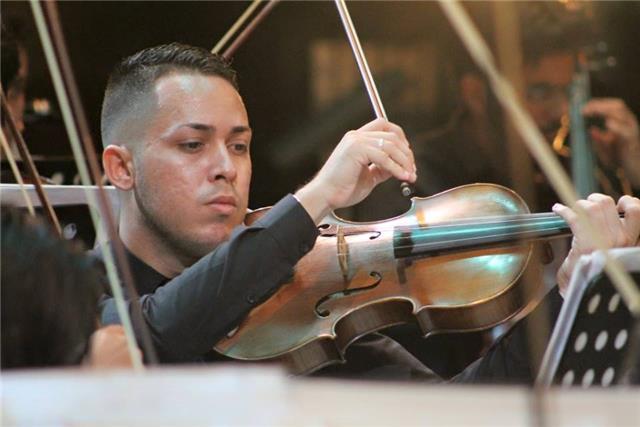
(198, 248)
(212, 239)
(209, 238)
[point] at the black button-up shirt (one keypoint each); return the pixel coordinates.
(189, 313)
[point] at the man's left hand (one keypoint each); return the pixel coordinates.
(603, 213)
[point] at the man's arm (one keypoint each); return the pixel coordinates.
(193, 311)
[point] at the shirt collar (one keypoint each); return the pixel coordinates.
(145, 277)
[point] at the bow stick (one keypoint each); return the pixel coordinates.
(534, 140)
(244, 35)
(16, 138)
(234, 28)
(365, 72)
(59, 63)
(16, 173)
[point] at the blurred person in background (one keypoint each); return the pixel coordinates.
(50, 290)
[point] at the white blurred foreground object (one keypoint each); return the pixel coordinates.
(263, 396)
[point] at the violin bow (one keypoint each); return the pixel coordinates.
(16, 173)
(244, 35)
(52, 39)
(536, 144)
(16, 138)
(365, 72)
(234, 28)
(246, 32)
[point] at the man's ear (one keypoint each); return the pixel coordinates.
(117, 161)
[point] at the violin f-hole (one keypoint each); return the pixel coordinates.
(345, 293)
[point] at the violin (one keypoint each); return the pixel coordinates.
(450, 263)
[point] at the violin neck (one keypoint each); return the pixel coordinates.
(477, 233)
(583, 162)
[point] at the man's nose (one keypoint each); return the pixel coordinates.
(222, 165)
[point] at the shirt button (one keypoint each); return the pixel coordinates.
(251, 299)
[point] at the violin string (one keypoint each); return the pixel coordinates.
(513, 235)
(541, 219)
(521, 236)
(461, 222)
(482, 225)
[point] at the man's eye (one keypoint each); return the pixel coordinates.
(239, 147)
(191, 146)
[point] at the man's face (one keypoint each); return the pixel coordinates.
(192, 168)
(547, 85)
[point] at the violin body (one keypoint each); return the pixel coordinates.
(362, 277)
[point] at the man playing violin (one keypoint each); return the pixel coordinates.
(177, 140)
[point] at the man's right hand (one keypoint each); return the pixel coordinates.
(109, 349)
(620, 138)
(363, 159)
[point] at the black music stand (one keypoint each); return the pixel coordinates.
(596, 340)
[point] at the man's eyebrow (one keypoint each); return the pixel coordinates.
(240, 129)
(208, 128)
(199, 126)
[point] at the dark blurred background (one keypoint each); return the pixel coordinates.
(297, 76)
(302, 89)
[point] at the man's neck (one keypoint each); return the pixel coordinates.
(145, 245)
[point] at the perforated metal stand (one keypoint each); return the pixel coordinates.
(595, 341)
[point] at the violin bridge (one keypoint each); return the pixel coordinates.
(343, 253)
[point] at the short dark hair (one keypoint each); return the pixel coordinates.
(549, 28)
(50, 291)
(10, 51)
(133, 78)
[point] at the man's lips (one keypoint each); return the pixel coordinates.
(223, 204)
